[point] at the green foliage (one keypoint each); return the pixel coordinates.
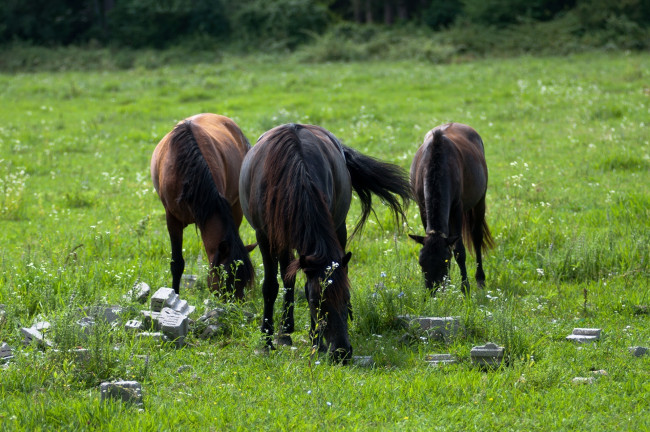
(567, 150)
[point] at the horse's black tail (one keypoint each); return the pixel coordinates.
(474, 225)
(371, 176)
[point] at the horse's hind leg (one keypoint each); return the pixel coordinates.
(270, 287)
(175, 229)
(287, 310)
(477, 240)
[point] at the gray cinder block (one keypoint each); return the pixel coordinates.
(584, 335)
(126, 391)
(174, 325)
(440, 359)
(166, 297)
(134, 325)
(150, 320)
(489, 354)
(155, 336)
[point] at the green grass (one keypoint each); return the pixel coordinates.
(568, 203)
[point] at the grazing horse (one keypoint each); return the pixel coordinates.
(195, 170)
(295, 189)
(449, 180)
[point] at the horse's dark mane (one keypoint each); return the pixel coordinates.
(435, 187)
(201, 193)
(296, 213)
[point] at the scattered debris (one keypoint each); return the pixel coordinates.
(183, 368)
(638, 351)
(489, 354)
(440, 359)
(584, 335)
(174, 325)
(583, 380)
(434, 327)
(126, 391)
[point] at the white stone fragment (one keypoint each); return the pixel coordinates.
(583, 335)
(435, 327)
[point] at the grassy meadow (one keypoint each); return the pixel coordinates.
(568, 152)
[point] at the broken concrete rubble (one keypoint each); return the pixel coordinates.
(435, 327)
(583, 335)
(489, 354)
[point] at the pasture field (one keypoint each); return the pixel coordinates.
(568, 150)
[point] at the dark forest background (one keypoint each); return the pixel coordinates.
(63, 34)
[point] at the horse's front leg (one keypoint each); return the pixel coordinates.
(177, 265)
(460, 256)
(288, 325)
(269, 288)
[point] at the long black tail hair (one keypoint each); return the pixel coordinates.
(371, 176)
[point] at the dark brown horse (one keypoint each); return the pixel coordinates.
(295, 189)
(449, 180)
(195, 170)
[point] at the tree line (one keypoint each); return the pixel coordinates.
(286, 23)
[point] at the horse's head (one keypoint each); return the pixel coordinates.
(231, 270)
(435, 257)
(328, 293)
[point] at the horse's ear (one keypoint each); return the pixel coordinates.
(224, 249)
(346, 259)
(417, 238)
(250, 247)
(452, 240)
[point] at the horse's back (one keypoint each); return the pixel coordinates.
(223, 147)
(466, 157)
(320, 154)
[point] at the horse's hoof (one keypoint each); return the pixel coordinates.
(285, 339)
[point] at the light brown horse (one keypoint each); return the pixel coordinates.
(195, 170)
(449, 180)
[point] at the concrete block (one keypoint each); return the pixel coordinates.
(134, 325)
(126, 391)
(638, 351)
(109, 314)
(583, 335)
(140, 292)
(489, 354)
(164, 297)
(174, 325)
(42, 326)
(440, 359)
(150, 320)
(435, 327)
(6, 353)
(34, 336)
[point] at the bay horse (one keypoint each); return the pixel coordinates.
(449, 179)
(195, 170)
(295, 189)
